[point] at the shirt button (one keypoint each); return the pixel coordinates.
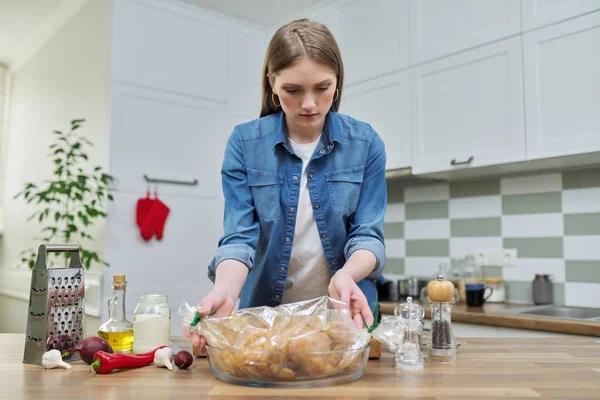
(311, 176)
(317, 206)
(322, 151)
(282, 269)
(287, 240)
(276, 297)
(334, 263)
(330, 146)
(295, 178)
(292, 209)
(324, 236)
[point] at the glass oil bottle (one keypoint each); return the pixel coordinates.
(442, 344)
(117, 331)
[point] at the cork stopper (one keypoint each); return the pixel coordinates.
(119, 281)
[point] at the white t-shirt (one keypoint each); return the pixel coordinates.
(308, 273)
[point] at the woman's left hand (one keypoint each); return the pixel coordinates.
(343, 288)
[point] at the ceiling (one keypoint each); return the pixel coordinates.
(18, 21)
(260, 12)
(25, 25)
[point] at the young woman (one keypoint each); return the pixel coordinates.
(304, 189)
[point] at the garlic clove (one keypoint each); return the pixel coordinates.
(164, 357)
(53, 359)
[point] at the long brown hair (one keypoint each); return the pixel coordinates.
(293, 41)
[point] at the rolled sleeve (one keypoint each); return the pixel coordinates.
(240, 252)
(375, 246)
(366, 226)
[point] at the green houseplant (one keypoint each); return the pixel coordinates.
(72, 201)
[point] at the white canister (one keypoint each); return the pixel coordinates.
(499, 293)
(151, 323)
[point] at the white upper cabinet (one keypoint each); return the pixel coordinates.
(373, 37)
(160, 46)
(467, 109)
(166, 136)
(442, 27)
(562, 82)
(247, 47)
(537, 13)
(328, 15)
(384, 104)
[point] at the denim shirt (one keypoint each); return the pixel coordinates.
(261, 185)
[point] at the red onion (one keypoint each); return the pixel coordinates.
(183, 359)
(90, 346)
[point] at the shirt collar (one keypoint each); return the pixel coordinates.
(331, 131)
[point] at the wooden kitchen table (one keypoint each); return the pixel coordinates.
(485, 369)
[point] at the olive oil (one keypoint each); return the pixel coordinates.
(118, 330)
(118, 341)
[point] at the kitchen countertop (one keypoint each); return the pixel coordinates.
(503, 314)
(485, 368)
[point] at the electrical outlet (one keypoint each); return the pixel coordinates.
(496, 258)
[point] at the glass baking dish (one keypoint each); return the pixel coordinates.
(285, 369)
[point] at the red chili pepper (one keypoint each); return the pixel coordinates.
(105, 363)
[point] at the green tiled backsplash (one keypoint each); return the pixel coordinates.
(551, 219)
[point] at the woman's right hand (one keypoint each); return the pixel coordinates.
(230, 277)
(215, 301)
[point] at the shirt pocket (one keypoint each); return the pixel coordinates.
(344, 189)
(266, 192)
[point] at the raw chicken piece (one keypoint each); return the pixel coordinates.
(311, 364)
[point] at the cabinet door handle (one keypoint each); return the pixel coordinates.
(455, 163)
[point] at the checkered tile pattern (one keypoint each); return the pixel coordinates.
(553, 220)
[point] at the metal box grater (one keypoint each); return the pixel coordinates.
(56, 305)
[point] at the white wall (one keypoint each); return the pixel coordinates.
(3, 121)
(66, 79)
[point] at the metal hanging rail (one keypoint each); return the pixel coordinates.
(170, 181)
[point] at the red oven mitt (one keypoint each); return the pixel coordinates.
(154, 223)
(142, 209)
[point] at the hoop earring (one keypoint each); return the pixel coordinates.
(273, 100)
(337, 94)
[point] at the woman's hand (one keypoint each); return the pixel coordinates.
(230, 277)
(343, 288)
(216, 301)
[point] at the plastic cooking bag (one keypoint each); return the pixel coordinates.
(310, 339)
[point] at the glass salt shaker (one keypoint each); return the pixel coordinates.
(410, 353)
(442, 344)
